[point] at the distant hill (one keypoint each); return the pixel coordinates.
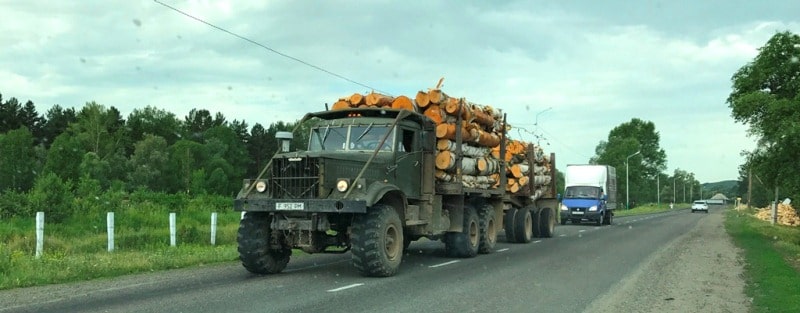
(726, 187)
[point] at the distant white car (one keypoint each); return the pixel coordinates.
(700, 205)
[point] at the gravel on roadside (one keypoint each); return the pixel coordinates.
(700, 271)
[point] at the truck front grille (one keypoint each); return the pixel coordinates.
(295, 178)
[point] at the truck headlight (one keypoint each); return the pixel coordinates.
(593, 208)
(342, 185)
(564, 208)
(261, 186)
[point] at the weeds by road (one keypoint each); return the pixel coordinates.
(772, 261)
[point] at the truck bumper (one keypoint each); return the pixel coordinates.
(570, 215)
(300, 205)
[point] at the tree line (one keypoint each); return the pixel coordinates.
(766, 96)
(152, 149)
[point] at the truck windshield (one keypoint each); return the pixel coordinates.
(345, 138)
(586, 192)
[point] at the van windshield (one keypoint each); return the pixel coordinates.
(586, 192)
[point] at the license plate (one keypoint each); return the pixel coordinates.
(577, 212)
(289, 206)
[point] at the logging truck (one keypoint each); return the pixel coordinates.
(380, 172)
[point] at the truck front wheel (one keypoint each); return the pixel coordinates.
(377, 241)
(255, 250)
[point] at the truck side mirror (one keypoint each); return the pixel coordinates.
(605, 197)
(558, 196)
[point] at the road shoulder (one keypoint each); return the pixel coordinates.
(698, 271)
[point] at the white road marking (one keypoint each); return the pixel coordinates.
(537, 241)
(445, 263)
(346, 287)
(582, 230)
(562, 235)
(501, 250)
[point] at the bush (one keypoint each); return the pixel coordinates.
(52, 196)
(13, 203)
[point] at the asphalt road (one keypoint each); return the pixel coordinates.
(560, 274)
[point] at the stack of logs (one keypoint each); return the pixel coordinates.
(786, 215)
(481, 133)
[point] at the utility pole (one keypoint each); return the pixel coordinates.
(673, 189)
(749, 187)
(774, 218)
(658, 189)
(691, 192)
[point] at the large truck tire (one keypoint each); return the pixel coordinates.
(523, 226)
(508, 225)
(255, 253)
(464, 244)
(536, 224)
(377, 241)
(547, 223)
(488, 228)
(609, 217)
(600, 219)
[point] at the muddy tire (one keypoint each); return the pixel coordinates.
(547, 223)
(609, 218)
(488, 229)
(377, 241)
(600, 220)
(523, 225)
(466, 243)
(255, 252)
(508, 225)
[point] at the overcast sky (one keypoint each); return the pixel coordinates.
(582, 67)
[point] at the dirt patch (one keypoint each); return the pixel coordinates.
(701, 271)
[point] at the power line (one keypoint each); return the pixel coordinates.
(268, 48)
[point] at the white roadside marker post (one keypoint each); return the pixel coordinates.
(172, 230)
(110, 227)
(39, 234)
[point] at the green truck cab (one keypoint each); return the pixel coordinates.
(366, 185)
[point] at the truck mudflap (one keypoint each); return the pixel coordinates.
(300, 205)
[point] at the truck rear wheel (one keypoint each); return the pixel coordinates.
(609, 216)
(523, 225)
(254, 245)
(537, 224)
(464, 244)
(547, 223)
(508, 225)
(377, 241)
(488, 230)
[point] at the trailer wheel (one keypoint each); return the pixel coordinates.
(255, 253)
(377, 240)
(536, 222)
(523, 225)
(488, 229)
(563, 221)
(464, 244)
(547, 223)
(508, 224)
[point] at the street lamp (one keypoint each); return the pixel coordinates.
(627, 186)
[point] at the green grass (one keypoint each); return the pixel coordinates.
(75, 249)
(772, 256)
(21, 269)
(647, 209)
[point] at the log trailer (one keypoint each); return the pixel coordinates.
(381, 172)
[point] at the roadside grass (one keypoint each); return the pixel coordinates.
(23, 270)
(76, 248)
(648, 209)
(772, 261)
